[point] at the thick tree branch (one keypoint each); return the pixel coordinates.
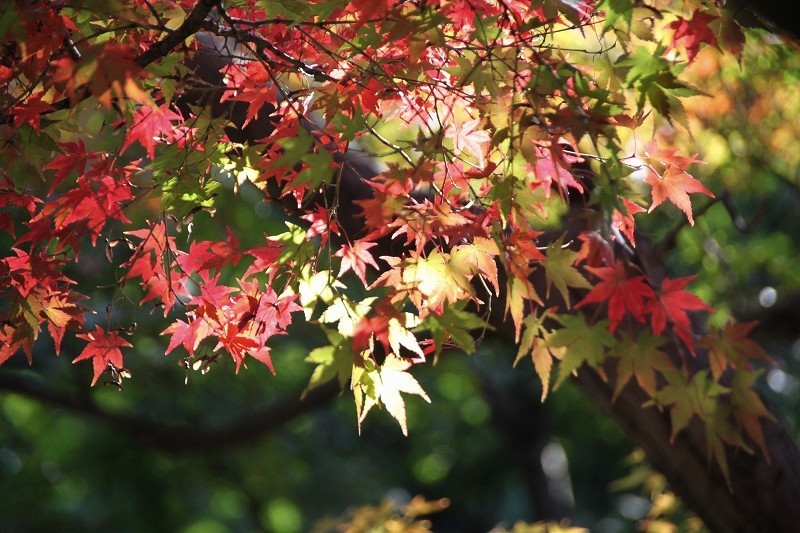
(770, 14)
(151, 433)
(763, 495)
(190, 26)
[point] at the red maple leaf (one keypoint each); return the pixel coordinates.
(675, 185)
(595, 250)
(14, 339)
(108, 70)
(551, 167)
(151, 126)
(624, 223)
(461, 13)
(388, 199)
(26, 273)
(625, 294)
(368, 9)
(239, 343)
(31, 111)
(214, 299)
(356, 258)
(370, 96)
(265, 257)
(62, 313)
(75, 158)
(671, 304)
(101, 194)
(693, 32)
(92, 203)
(208, 255)
(12, 198)
(186, 335)
(115, 72)
(253, 84)
(376, 325)
(322, 224)
(160, 278)
(104, 348)
(6, 74)
(269, 312)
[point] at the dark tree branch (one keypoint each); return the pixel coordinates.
(190, 26)
(260, 44)
(256, 425)
(773, 15)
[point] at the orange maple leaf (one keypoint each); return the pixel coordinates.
(675, 185)
(732, 347)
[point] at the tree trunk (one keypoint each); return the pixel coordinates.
(762, 496)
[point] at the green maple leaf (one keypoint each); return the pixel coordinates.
(297, 249)
(454, 325)
(643, 65)
(641, 359)
(676, 395)
(617, 10)
(580, 343)
(688, 397)
(294, 150)
(748, 408)
(559, 269)
(656, 80)
(333, 361)
(720, 429)
(534, 342)
(699, 396)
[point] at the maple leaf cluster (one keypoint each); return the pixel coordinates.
(674, 184)
(38, 294)
(488, 139)
(631, 295)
